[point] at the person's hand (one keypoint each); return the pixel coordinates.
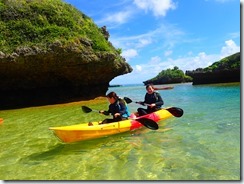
(152, 105)
(116, 115)
(141, 103)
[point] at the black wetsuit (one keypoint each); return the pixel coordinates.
(156, 98)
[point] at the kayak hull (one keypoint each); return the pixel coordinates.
(155, 116)
(80, 132)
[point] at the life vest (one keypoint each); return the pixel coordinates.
(127, 114)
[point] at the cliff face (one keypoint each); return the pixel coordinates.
(35, 77)
(215, 77)
(60, 71)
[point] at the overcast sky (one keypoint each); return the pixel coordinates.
(155, 35)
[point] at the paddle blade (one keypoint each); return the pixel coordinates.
(86, 109)
(176, 111)
(128, 100)
(148, 123)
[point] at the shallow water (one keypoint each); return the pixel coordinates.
(204, 144)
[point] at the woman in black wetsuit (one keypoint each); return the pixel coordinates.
(153, 100)
(117, 108)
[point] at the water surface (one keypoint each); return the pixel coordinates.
(204, 144)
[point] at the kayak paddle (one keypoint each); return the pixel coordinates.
(144, 121)
(175, 111)
(87, 109)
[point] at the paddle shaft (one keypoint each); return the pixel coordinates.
(144, 104)
(175, 111)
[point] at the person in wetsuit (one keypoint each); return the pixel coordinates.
(117, 108)
(152, 99)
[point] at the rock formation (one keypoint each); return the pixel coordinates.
(223, 71)
(169, 76)
(60, 71)
(31, 76)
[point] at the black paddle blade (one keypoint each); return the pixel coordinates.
(86, 109)
(128, 100)
(148, 123)
(176, 111)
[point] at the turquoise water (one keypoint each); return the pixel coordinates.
(204, 144)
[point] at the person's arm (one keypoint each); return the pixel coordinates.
(105, 112)
(160, 101)
(122, 108)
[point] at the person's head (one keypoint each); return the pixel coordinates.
(112, 97)
(149, 89)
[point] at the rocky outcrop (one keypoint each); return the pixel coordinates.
(223, 71)
(50, 52)
(224, 76)
(169, 76)
(32, 76)
(165, 80)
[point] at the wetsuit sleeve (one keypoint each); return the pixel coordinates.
(160, 101)
(106, 113)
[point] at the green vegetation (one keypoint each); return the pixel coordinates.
(223, 71)
(41, 22)
(229, 63)
(168, 76)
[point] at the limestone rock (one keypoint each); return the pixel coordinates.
(51, 52)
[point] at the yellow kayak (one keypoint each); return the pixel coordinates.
(80, 132)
